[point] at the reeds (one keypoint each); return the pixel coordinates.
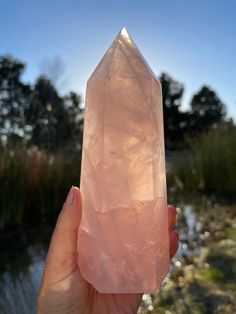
(34, 184)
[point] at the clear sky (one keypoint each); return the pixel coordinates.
(192, 40)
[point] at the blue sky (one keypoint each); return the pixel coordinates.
(194, 41)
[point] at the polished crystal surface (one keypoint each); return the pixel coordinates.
(123, 237)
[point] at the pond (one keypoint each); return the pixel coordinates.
(18, 291)
(21, 267)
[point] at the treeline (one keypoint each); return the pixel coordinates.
(37, 115)
(206, 111)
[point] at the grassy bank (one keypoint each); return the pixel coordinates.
(206, 284)
(33, 184)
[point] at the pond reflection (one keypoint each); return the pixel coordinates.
(18, 292)
(21, 268)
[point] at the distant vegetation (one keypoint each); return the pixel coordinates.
(211, 164)
(37, 114)
(34, 184)
(206, 111)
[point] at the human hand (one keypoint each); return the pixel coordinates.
(63, 289)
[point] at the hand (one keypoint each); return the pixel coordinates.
(63, 290)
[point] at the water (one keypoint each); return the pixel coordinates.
(21, 268)
(23, 255)
(190, 220)
(18, 292)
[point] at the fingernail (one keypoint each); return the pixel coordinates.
(172, 208)
(70, 196)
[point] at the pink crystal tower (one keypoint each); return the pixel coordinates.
(123, 238)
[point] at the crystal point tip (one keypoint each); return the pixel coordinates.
(124, 32)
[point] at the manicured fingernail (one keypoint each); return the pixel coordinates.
(70, 196)
(172, 207)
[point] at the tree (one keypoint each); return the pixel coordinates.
(72, 104)
(53, 68)
(207, 110)
(174, 119)
(55, 121)
(47, 116)
(37, 114)
(14, 98)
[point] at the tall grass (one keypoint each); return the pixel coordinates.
(33, 184)
(212, 164)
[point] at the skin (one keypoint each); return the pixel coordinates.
(63, 290)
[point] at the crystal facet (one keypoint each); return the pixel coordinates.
(123, 238)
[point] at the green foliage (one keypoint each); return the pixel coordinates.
(179, 303)
(232, 233)
(222, 263)
(212, 274)
(210, 164)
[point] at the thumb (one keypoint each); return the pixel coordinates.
(61, 260)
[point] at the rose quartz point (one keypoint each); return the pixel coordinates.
(123, 240)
